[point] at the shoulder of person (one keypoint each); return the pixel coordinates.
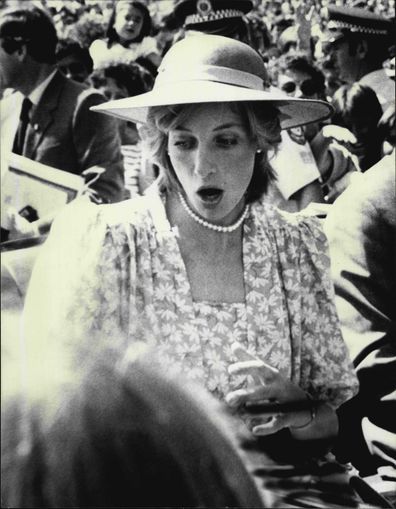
(371, 191)
(71, 88)
(82, 94)
(133, 212)
(276, 219)
(82, 219)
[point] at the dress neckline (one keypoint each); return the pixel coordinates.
(164, 229)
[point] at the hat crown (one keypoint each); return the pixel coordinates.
(214, 69)
(213, 50)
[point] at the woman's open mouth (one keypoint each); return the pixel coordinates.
(210, 195)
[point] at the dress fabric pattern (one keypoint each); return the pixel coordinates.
(123, 262)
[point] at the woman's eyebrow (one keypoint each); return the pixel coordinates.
(182, 128)
(218, 128)
(227, 126)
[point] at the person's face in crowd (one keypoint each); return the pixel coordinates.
(297, 84)
(345, 64)
(72, 67)
(112, 90)
(332, 82)
(213, 157)
(10, 68)
(128, 22)
(164, 38)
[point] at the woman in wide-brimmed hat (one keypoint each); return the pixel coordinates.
(200, 264)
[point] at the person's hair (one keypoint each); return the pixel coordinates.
(30, 26)
(111, 34)
(356, 103)
(113, 432)
(357, 107)
(134, 78)
(68, 47)
(262, 125)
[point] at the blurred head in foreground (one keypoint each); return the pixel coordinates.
(112, 432)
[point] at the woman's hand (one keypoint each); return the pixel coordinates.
(266, 386)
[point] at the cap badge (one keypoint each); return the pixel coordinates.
(204, 7)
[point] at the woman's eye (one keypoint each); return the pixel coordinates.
(183, 144)
(226, 141)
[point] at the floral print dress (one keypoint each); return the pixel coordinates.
(115, 271)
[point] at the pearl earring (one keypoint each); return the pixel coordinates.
(258, 151)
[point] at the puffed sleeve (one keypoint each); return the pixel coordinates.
(326, 371)
(65, 302)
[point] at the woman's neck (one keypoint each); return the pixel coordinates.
(213, 260)
(190, 231)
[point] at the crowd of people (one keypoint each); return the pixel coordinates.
(195, 291)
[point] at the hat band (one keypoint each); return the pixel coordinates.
(212, 73)
(212, 16)
(339, 25)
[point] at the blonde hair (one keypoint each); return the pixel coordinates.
(261, 123)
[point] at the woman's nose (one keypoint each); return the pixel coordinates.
(204, 164)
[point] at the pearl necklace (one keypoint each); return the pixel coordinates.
(211, 226)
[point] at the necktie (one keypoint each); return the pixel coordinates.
(19, 139)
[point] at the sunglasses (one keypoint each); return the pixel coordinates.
(308, 87)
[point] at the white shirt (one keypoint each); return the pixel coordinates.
(382, 85)
(37, 93)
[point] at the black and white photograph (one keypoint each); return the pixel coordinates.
(198, 254)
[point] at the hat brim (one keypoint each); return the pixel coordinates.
(294, 112)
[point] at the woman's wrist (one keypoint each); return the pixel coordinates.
(312, 417)
(323, 426)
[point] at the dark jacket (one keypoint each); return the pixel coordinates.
(65, 134)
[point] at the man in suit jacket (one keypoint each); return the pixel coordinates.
(61, 130)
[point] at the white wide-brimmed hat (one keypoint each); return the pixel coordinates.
(209, 69)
